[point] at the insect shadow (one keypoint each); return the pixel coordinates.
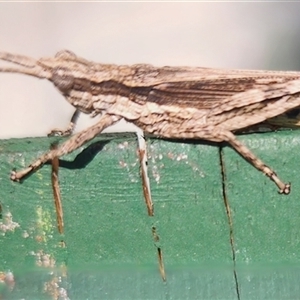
(192, 142)
(84, 157)
(80, 161)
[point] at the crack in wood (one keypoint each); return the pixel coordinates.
(230, 223)
(159, 253)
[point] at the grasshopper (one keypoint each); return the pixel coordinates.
(168, 102)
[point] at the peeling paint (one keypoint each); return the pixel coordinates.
(8, 224)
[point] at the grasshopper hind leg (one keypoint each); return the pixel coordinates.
(229, 137)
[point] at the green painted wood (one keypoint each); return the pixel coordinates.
(266, 224)
(110, 252)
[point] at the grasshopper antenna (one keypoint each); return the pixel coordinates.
(25, 65)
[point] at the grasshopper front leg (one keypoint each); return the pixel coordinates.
(70, 145)
(69, 130)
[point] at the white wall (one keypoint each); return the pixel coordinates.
(228, 35)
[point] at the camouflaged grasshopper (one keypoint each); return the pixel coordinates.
(168, 102)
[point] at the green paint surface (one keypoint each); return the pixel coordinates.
(110, 252)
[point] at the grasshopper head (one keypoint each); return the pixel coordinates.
(60, 69)
(65, 70)
(81, 82)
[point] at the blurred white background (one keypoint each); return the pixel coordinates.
(226, 35)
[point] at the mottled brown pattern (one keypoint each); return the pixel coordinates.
(172, 102)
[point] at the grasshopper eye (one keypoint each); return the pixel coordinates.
(62, 79)
(65, 54)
